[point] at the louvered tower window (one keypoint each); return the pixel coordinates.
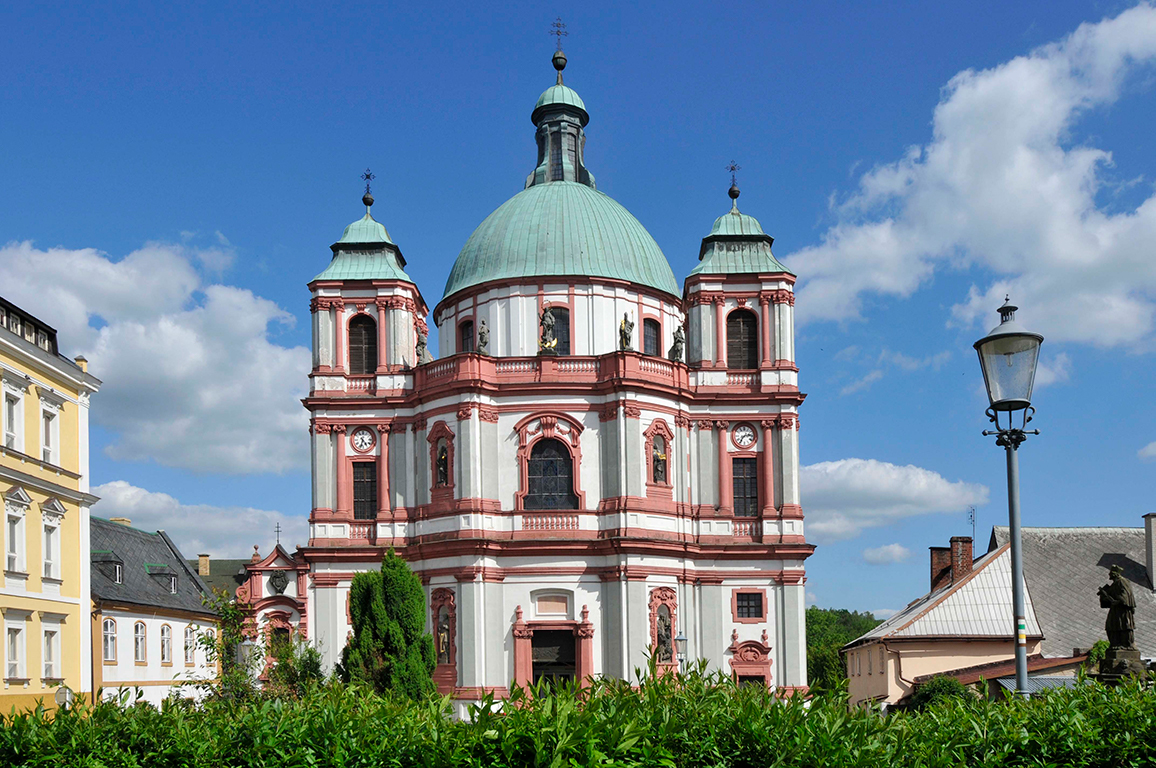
(742, 339)
(556, 157)
(745, 481)
(362, 345)
(651, 335)
(466, 331)
(550, 477)
(364, 490)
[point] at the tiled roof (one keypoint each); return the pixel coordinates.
(1064, 567)
(147, 560)
(226, 575)
(977, 605)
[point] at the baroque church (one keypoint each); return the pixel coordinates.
(598, 468)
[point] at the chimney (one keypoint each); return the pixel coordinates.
(960, 557)
(1150, 547)
(120, 521)
(202, 565)
(940, 567)
(81, 362)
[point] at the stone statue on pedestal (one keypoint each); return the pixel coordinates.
(547, 345)
(1122, 658)
(626, 333)
(679, 343)
(483, 339)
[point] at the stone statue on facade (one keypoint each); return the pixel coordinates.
(1122, 658)
(679, 343)
(664, 653)
(548, 344)
(626, 333)
(483, 339)
(423, 355)
(444, 638)
(443, 467)
(659, 459)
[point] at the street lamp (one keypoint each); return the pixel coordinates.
(680, 646)
(1008, 356)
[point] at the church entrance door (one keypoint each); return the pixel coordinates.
(553, 654)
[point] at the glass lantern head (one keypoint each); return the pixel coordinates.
(680, 644)
(1008, 356)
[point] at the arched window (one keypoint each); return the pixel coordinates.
(362, 345)
(562, 330)
(109, 644)
(190, 645)
(550, 477)
(139, 646)
(742, 339)
(466, 334)
(166, 644)
(651, 338)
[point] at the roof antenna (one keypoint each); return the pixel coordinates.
(558, 29)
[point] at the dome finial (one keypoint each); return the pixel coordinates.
(734, 190)
(367, 198)
(558, 29)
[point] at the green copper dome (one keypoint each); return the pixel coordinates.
(736, 223)
(365, 252)
(561, 228)
(737, 245)
(365, 230)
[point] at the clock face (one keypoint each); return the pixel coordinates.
(362, 439)
(744, 436)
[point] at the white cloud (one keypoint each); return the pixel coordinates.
(1002, 186)
(884, 613)
(862, 383)
(1057, 370)
(843, 497)
(197, 528)
(1148, 452)
(191, 376)
(886, 554)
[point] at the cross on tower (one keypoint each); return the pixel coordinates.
(734, 168)
(367, 177)
(277, 530)
(558, 29)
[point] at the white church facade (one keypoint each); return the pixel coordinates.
(597, 462)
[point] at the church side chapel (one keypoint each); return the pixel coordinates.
(598, 468)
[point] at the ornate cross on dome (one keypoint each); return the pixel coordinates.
(367, 177)
(734, 168)
(558, 29)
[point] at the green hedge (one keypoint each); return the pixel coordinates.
(702, 722)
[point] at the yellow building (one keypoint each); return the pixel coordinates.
(45, 597)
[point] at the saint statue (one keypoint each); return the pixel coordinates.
(625, 333)
(679, 343)
(659, 459)
(664, 653)
(483, 339)
(443, 466)
(423, 355)
(1117, 597)
(548, 342)
(443, 638)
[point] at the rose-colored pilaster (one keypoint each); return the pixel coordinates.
(382, 470)
(768, 426)
(338, 335)
(523, 651)
(765, 312)
(720, 333)
(726, 491)
(344, 478)
(382, 337)
(585, 660)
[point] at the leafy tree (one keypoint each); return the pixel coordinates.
(296, 670)
(236, 679)
(390, 649)
(828, 630)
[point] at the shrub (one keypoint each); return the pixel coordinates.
(389, 649)
(940, 688)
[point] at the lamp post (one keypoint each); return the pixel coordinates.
(680, 646)
(1008, 356)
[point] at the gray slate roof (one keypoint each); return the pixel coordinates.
(147, 559)
(1063, 568)
(226, 575)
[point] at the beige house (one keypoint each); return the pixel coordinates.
(962, 627)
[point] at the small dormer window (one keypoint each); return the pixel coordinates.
(172, 585)
(118, 573)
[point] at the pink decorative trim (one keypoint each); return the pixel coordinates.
(446, 673)
(664, 596)
(548, 422)
(632, 411)
(444, 492)
(487, 414)
(735, 605)
(750, 659)
(658, 427)
(466, 410)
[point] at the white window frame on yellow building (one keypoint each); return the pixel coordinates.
(51, 404)
(14, 388)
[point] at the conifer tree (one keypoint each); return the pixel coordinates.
(389, 648)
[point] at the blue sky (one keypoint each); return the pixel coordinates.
(172, 177)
